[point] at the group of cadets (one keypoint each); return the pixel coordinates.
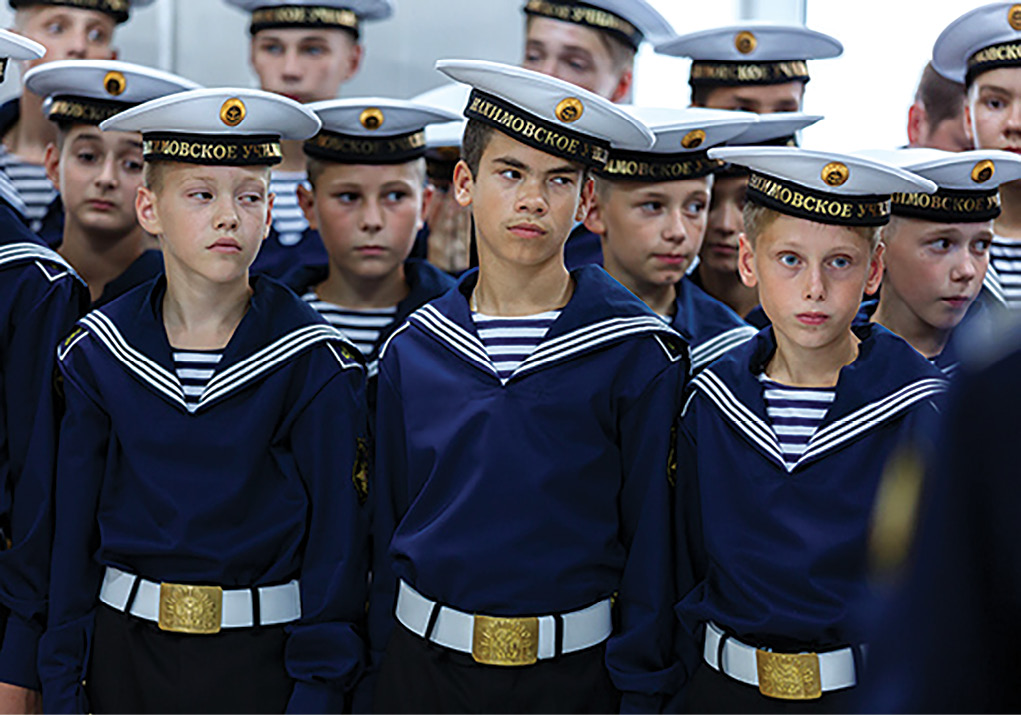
(508, 398)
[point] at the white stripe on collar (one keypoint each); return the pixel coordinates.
(705, 353)
(754, 427)
(16, 252)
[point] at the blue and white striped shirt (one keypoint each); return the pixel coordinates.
(510, 341)
(795, 414)
(195, 368)
(1005, 255)
(288, 218)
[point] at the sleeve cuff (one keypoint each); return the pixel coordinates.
(19, 654)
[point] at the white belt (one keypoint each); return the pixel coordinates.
(812, 673)
(277, 604)
(503, 641)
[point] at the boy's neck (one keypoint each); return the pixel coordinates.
(28, 138)
(511, 289)
(661, 299)
(727, 288)
(894, 315)
(1008, 224)
(201, 315)
(100, 259)
(798, 366)
(360, 293)
(294, 157)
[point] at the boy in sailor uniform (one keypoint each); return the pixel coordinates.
(650, 211)
(367, 171)
(98, 173)
(210, 553)
(41, 297)
(937, 247)
(784, 438)
(521, 521)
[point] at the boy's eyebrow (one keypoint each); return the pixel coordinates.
(511, 161)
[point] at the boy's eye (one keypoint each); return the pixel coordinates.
(652, 206)
(346, 197)
(273, 49)
(202, 195)
(840, 262)
(133, 165)
(86, 157)
(789, 260)
(941, 244)
(314, 51)
(395, 196)
(252, 198)
(563, 180)
(510, 174)
(695, 207)
(982, 245)
(578, 66)
(54, 28)
(98, 36)
(995, 103)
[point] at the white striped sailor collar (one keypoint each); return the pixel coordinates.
(887, 378)
(599, 313)
(710, 327)
(20, 252)
(276, 328)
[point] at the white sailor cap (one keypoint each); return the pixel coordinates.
(91, 91)
(775, 129)
(315, 14)
(117, 9)
(969, 182)
(983, 39)
(451, 97)
(372, 130)
(683, 136)
(826, 187)
(545, 112)
(755, 53)
(17, 47)
(222, 126)
(631, 21)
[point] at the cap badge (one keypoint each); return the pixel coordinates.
(693, 139)
(835, 174)
(233, 112)
(1014, 17)
(745, 42)
(371, 118)
(983, 171)
(114, 83)
(570, 110)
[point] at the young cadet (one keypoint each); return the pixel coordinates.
(590, 44)
(98, 173)
(208, 554)
(936, 118)
(784, 438)
(937, 246)
(367, 171)
(981, 49)
(717, 272)
(523, 439)
(40, 298)
(304, 50)
(650, 211)
(70, 30)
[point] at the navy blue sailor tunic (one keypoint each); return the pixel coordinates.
(710, 327)
(40, 299)
(541, 495)
(258, 485)
(777, 558)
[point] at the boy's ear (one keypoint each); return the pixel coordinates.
(355, 60)
(588, 192)
(307, 202)
(148, 212)
(623, 88)
(594, 220)
(875, 277)
(270, 200)
(463, 184)
(428, 195)
(968, 128)
(746, 261)
(52, 164)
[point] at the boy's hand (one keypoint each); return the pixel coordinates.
(15, 699)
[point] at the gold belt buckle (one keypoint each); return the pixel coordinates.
(505, 641)
(788, 676)
(190, 609)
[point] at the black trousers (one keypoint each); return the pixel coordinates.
(417, 676)
(710, 691)
(135, 667)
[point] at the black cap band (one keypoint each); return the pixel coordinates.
(348, 149)
(819, 206)
(736, 74)
(84, 110)
(117, 9)
(538, 133)
(645, 166)
(321, 17)
(1005, 54)
(213, 150)
(949, 206)
(586, 15)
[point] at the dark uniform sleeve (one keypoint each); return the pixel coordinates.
(75, 575)
(325, 650)
(31, 416)
(639, 655)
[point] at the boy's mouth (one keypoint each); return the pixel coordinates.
(101, 205)
(370, 250)
(812, 318)
(957, 301)
(672, 259)
(527, 230)
(226, 245)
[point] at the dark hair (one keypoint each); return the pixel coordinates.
(700, 94)
(474, 142)
(942, 98)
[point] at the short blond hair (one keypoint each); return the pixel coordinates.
(758, 219)
(154, 172)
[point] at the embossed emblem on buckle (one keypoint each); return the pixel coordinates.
(505, 641)
(789, 676)
(190, 609)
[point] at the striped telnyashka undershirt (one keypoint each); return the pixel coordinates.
(795, 414)
(288, 219)
(1005, 255)
(195, 368)
(510, 341)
